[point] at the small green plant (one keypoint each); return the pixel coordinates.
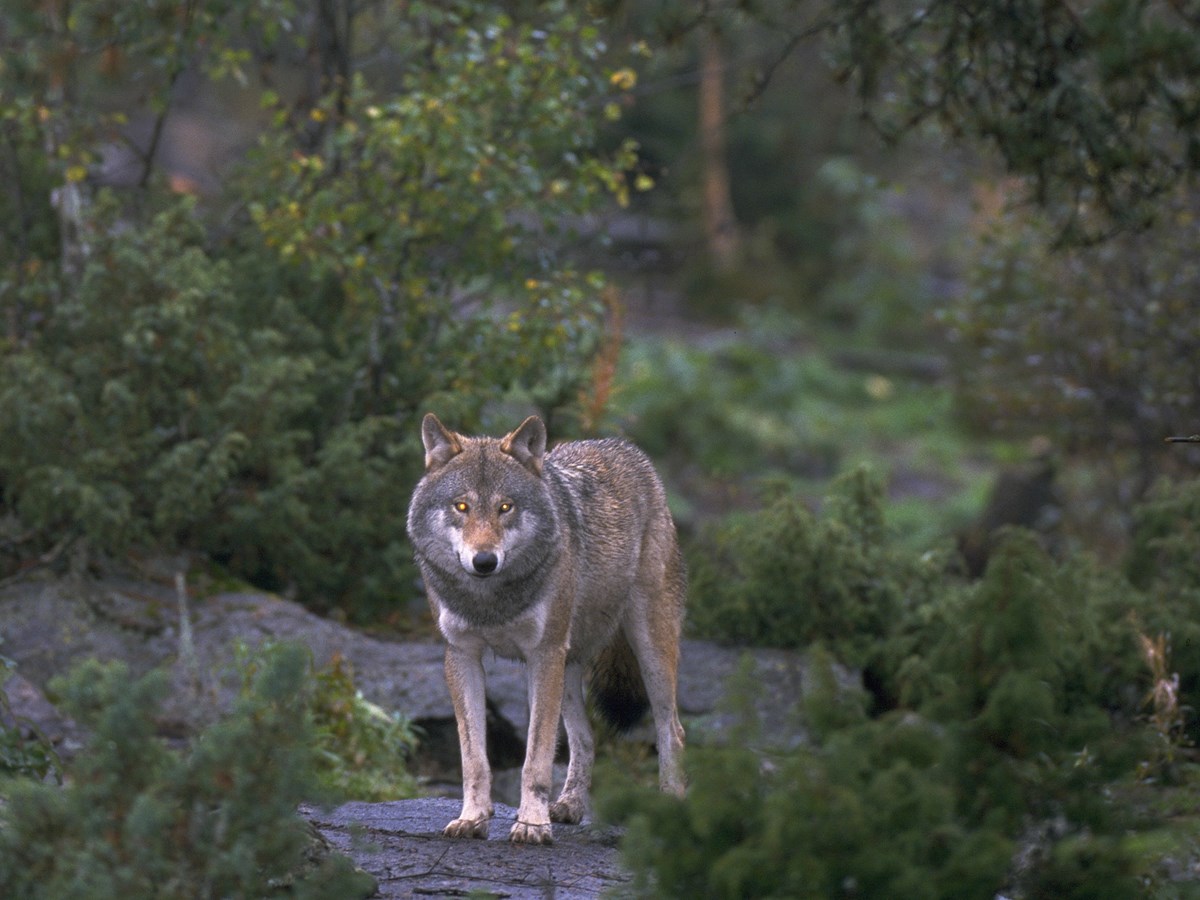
(363, 750)
(24, 751)
(137, 819)
(1165, 566)
(1166, 712)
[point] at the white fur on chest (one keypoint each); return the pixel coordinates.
(515, 639)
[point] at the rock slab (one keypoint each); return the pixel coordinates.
(401, 845)
(48, 625)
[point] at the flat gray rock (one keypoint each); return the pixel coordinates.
(401, 845)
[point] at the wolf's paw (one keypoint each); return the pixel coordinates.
(568, 809)
(528, 833)
(467, 828)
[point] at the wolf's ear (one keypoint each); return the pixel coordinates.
(527, 445)
(441, 445)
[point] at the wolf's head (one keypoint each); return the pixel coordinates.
(482, 505)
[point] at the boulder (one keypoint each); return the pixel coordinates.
(49, 624)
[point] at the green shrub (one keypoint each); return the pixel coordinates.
(24, 751)
(363, 750)
(1034, 667)
(139, 820)
(1003, 760)
(786, 577)
(1082, 345)
(144, 396)
(869, 810)
(1086, 867)
(244, 376)
(1165, 565)
(1166, 534)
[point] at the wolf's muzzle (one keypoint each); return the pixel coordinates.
(484, 562)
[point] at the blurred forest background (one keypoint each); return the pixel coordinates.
(903, 299)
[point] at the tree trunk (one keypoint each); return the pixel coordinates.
(720, 226)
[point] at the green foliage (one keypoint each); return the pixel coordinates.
(1163, 563)
(786, 577)
(144, 393)
(1096, 106)
(1029, 666)
(438, 207)
(1007, 750)
(139, 820)
(243, 376)
(1085, 346)
(362, 749)
(1166, 533)
(24, 750)
(867, 811)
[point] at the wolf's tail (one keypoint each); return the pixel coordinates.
(616, 688)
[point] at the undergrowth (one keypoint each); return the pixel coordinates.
(1028, 734)
(130, 816)
(766, 408)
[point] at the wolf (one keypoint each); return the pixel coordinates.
(569, 561)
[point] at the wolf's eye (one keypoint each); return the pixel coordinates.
(461, 506)
(506, 507)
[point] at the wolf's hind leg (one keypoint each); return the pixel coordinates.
(653, 634)
(571, 804)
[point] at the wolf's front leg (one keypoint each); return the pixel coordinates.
(546, 671)
(464, 678)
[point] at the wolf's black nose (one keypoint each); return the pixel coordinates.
(485, 562)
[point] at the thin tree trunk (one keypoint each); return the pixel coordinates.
(720, 226)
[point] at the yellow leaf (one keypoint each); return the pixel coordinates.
(76, 173)
(623, 79)
(879, 387)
